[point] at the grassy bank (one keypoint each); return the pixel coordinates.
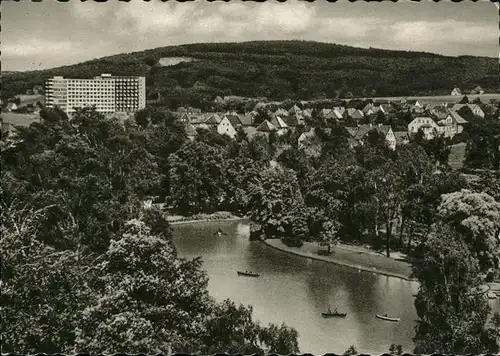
(350, 256)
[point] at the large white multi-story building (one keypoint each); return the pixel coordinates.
(109, 94)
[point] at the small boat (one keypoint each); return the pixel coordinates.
(333, 315)
(219, 232)
(247, 274)
(387, 318)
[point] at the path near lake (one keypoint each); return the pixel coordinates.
(351, 256)
(180, 222)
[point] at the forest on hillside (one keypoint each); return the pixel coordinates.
(277, 70)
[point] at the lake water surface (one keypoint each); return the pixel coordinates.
(295, 290)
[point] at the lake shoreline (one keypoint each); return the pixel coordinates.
(181, 222)
(350, 258)
(345, 255)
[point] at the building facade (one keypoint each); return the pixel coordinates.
(109, 94)
(448, 127)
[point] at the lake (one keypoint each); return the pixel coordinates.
(295, 290)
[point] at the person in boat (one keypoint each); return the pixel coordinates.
(385, 315)
(220, 232)
(329, 310)
(336, 312)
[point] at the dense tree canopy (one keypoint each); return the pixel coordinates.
(276, 203)
(483, 148)
(198, 181)
(85, 268)
(450, 303)
(476, 218)
(90, 170)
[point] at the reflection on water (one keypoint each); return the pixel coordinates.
(295, 290)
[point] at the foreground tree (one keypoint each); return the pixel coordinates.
(78, 273)
(137, 297)
(476, 219)
(149, 300)
(437, 148)
(43, 289)
(483, 148)
(230, 329)
(386, 189)
(276, 204)
(197, 178)
(421, 202)
(450, 304)
(90, 169)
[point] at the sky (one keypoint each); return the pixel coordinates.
(47, 34)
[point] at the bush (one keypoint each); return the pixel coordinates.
(220, 215)
(292, 241)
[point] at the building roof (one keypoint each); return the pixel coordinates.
(11, 106)
(458, 119)
(437, 107)
(457, 107)
(294, 120)
(359, 132)
(214, 119)
(325, 112)
(310, 133)
(386, 107)
(246, 120)
(440, 115)
(197, 119)
(333, 114)
(294, 109)
(357, 114)
(339, 109)
(234, 120)
(311, 137)
(350, 111)
(266, 126)
(307, 112)
(367, 107)
(278, 122)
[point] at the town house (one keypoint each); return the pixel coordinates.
(360, 132)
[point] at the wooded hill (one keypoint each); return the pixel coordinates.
(280, 69)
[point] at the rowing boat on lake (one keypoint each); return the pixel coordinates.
(247, 274)
(334, 315)
(386, 318)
